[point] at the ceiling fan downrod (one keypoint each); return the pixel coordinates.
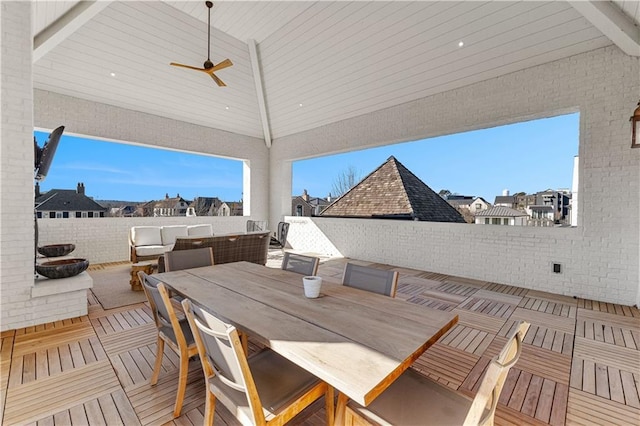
(208, 63)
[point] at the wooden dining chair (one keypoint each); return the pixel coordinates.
(413, 399)
(379, 281)
(185, 259)
(172, 331)
(260, 390)
(305, 265)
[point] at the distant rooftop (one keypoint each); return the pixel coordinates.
(393, 192)
(501, 211)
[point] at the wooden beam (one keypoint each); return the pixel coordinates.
(65, 25)
(613, 23)
(257, 77)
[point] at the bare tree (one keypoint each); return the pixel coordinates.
(444, 193)
(346, 180)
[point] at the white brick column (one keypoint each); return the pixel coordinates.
(16, 164)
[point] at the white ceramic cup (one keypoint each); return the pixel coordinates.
(312, 286)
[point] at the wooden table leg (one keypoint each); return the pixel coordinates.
(330, 405)
(341, 408)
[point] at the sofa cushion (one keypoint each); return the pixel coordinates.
(151, 250)
(146, 236)
(205, 230)
(169, 233)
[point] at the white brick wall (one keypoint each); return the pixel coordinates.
(601, 257)
(17, 306)
(16, 165)
(102, 240)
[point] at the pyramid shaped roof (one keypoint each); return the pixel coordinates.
(393, 192)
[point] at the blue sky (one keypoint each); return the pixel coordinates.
(530, 157)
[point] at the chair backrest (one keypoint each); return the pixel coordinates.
(379, 281)
(256, 225)
(185, 259)
(484, 404)
(305, 265)
(163, 312)
(189, 243)
(281, 235)
(221, 352)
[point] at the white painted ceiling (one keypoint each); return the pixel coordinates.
(321, 62)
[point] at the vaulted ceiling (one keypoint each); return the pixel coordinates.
(317, 62)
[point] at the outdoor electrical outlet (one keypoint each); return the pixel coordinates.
(557, 268)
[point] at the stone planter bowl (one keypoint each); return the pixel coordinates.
(63, 268)
(56, 250)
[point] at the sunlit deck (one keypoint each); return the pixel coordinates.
(580, 364)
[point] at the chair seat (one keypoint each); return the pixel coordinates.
(278, 382)
(413, 399)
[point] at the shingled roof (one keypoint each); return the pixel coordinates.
(393, 192)
(66, 200)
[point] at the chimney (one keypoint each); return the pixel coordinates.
(80, 188)
(329, 197)
(166, 196)
(37, 189)
(505, 192)
(305, 196)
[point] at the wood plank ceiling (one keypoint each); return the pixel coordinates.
(321, 62)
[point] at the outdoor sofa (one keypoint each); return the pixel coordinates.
(150, 242)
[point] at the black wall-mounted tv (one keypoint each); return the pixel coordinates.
(44, 156)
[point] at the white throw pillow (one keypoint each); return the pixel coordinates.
(169, 233)
(146, 236)
(205, 230)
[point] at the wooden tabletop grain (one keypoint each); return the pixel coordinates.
(354, 340)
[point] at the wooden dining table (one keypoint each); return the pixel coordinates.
(356, 341)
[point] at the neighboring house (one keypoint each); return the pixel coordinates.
(393, 192)
(123, 211)
(204, 206)
(522, 200)
(145, 209)
(176, 206)
(66, 203)
(459, 201)
(230, 208)
(550, 206)
(462, 203)
(478, 204)
(541, 215)
(303, 205)
(500, 215)
(505, 201)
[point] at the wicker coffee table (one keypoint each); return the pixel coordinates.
(146, 267)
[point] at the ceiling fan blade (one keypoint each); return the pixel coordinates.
(217, 80)
(187, 66)
(224, 64)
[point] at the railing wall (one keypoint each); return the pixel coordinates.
(103, 240)
(515, 255)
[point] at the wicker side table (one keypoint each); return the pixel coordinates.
(146, 267)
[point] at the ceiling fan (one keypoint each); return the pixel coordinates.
(209, 67)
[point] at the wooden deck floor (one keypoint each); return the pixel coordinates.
(580, 364)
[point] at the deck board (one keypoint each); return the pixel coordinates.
(580, 362)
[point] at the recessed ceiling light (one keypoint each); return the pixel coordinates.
(300, 105)
(113, 74)
(227, 107)
(460, 43)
